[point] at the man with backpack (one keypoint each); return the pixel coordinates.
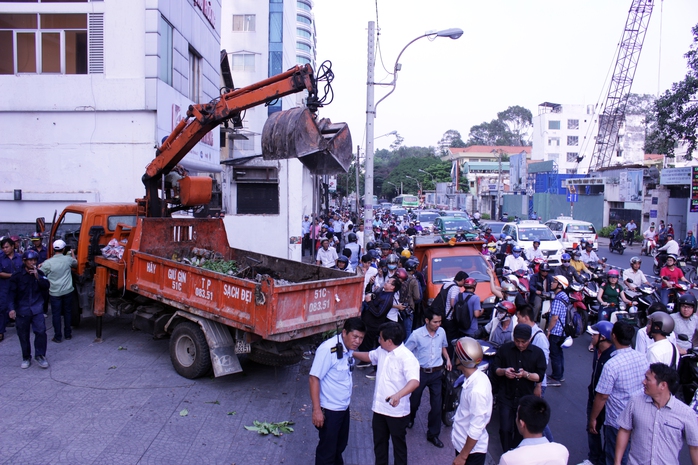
(467, 309)
(444, 302)
(556, 329)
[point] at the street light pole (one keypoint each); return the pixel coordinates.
(419, 185)
(452, 33)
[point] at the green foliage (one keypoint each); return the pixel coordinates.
(485, 216)
(221, 266)
(510, 128)
(606, 231)
(451, 138)
(676, 111)
(277, 429)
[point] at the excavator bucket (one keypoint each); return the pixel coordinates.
(324, 147)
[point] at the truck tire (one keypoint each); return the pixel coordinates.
(189, 350)
(284, 358)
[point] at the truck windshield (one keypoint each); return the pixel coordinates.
(445, 268)
(69, 229)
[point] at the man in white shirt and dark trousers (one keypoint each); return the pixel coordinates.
(428, 343)
(396, 378)
(531, 417)
(330, 390)
(469, 435)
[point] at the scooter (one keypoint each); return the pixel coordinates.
(648, 246)
(676, 290)
(645, 295)
(577, 301)
(617, 245)
(452, 383)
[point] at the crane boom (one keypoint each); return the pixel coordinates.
(613, 112)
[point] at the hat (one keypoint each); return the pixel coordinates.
(522, 331)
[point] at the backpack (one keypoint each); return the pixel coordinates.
(461, 312)
(574, 322)
(438, 305)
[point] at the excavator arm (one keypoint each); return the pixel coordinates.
(319, 139)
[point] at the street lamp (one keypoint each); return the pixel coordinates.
(419, 184)
(371, 112)
(433, 179)
(397, 190)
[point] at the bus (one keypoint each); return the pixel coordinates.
(407, 201)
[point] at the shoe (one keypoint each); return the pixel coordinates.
(436, 441)
(562, 380)
(586, 462)
(2, 337)
(57, 340)
(41, 360)
(26, 363)
(371, 375)
(363, 365)
(591, 348)
(410, 424)
(68, 338)
(554, 383)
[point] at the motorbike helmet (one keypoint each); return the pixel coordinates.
(545, 266)
(661, 323)
(352, 237)
(469, 283)
(343, 259)
(460, 231)
(566, 256)
(401, 274)
(687, 299)
(505, 309)
(30, 255)
(635, 260)
(392, 261)
(35, 236)
(671, 256)
(613, 273)
(604, 329)
(516, 249)
(576, 254)
(502, 236)
(670, 235)
(374, 254)
(406, 253)
(370, 246)
(536, 239)
(385, 246)
(562, 280)
(468, 351)
(508, 288)
(411, 264)
(58, 244)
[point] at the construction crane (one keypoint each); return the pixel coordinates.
(613, 112)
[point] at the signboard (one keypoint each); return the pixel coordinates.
(573, 198)
(653, 213)
(694, 190)
(675, 176)
(332, 184)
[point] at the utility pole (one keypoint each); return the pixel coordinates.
(370, 117)
(358, 202)
(499, 186)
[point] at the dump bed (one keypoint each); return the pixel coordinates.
(274, 298)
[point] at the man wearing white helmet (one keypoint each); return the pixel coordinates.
(555, 329)
(469, 435)
(58, 270)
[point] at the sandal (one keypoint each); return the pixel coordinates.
(591, 348)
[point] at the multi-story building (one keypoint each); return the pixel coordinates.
(90, 88)
(265, 199)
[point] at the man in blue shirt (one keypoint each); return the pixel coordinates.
(555, 329)
(428, 343)
(330, 390)
(26, 304)
(10, 262)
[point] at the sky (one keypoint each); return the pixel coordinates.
(512, 52)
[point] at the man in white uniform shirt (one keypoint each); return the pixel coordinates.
(326, 255)
(396, 377)
(469, 435)
(635, 274)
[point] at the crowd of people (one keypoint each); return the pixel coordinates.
(29, 282)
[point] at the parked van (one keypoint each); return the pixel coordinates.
(570, 232)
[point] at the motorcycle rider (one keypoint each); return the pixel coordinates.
(688, 244)
(489, 237)
(671, 246)
(515, 261)
(539, 284)
(610, 295)
(565, 269)
(670, 272)
(686, 322)
(460, 235)
(501, 327)
(650, 239)
(418, 226)
(635, 274)
(577, 263)
(534, 252)
(589, 257)
(616, 236)
(663, 350)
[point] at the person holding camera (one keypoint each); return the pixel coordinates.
(330, 390)
(58, 270)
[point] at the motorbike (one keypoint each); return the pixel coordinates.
(617, 245)
(688, 374)
(645, 295)
(452, 383)
(590, 291)
(676, 290)
(547, 298)
(648, 246)
(577, 300)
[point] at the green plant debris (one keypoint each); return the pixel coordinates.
(122, 348)
(113, 367)
(228, 267)
(277, 429)
(232, 413)
(215, 402)
(183, 413)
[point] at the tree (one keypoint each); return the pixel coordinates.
(451, 138)
(677, 110)
(510, 128)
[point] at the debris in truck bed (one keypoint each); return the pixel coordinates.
(113, 250)
(229, 267)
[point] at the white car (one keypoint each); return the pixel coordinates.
(570, 232)
(525, 231)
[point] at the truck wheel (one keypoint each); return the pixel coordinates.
(284, 358)
(189, 350)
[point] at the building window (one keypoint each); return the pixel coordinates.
(572, 140)
(300, 32)
(243, 23)
(572, 171)
(194, 76)
(165, 50)
(302, 6)
(553, 156)
(572, 157)
(243, 62)
(572, 124)
(553, 141)
(241, 145)
(43, 44)
(301, 60)
(276, 27)
(303, 47)
(303, 19)
(553, 124)
(257, 190)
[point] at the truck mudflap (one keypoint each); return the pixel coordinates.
(221, 344)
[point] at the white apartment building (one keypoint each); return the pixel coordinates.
(265, 200)
(89, 88)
